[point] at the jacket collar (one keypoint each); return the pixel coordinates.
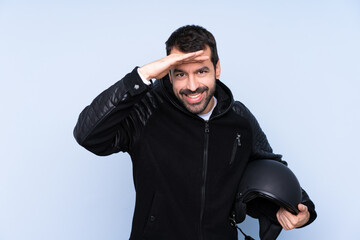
(222, 94)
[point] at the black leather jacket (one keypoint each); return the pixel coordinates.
(186, 170)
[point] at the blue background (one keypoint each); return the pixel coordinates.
(295, 64)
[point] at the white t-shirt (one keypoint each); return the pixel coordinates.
(206, 116)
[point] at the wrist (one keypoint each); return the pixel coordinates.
(143, 74)
(144, 79)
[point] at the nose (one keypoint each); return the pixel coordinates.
(192, 83)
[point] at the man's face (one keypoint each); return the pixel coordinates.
(194, 83)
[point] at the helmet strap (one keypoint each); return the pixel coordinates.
(233, 223)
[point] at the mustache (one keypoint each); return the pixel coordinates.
(198, 90)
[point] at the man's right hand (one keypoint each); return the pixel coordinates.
(161, 67)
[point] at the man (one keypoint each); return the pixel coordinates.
(188, 140)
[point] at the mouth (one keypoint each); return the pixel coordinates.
(194, 98)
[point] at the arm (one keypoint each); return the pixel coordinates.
(104, 126)
(111, 122)
(261, 149)
(307, 213)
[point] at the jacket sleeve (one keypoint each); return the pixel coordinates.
(108, 124)
(261, 149)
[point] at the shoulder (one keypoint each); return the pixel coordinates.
(240, 109)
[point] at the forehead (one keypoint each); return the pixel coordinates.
(207, 51)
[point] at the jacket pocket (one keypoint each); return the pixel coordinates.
(236, 146)
(153, 217)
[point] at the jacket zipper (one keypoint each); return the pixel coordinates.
(205, 162)
(237, 144)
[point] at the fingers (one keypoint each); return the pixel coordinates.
(284, 219)
(192, 54)
(302, 207)
(192, 57)
(160, 68)
(289, 221)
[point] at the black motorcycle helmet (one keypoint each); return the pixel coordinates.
(265, 186)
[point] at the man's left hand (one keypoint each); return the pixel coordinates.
(289, 221)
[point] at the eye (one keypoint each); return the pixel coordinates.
(202, 72)
(179, 75)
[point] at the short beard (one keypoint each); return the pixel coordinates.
(206, 102)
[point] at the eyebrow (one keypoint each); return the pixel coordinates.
(203, 69)
(176, 70)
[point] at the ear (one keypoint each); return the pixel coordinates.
(218, 70)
